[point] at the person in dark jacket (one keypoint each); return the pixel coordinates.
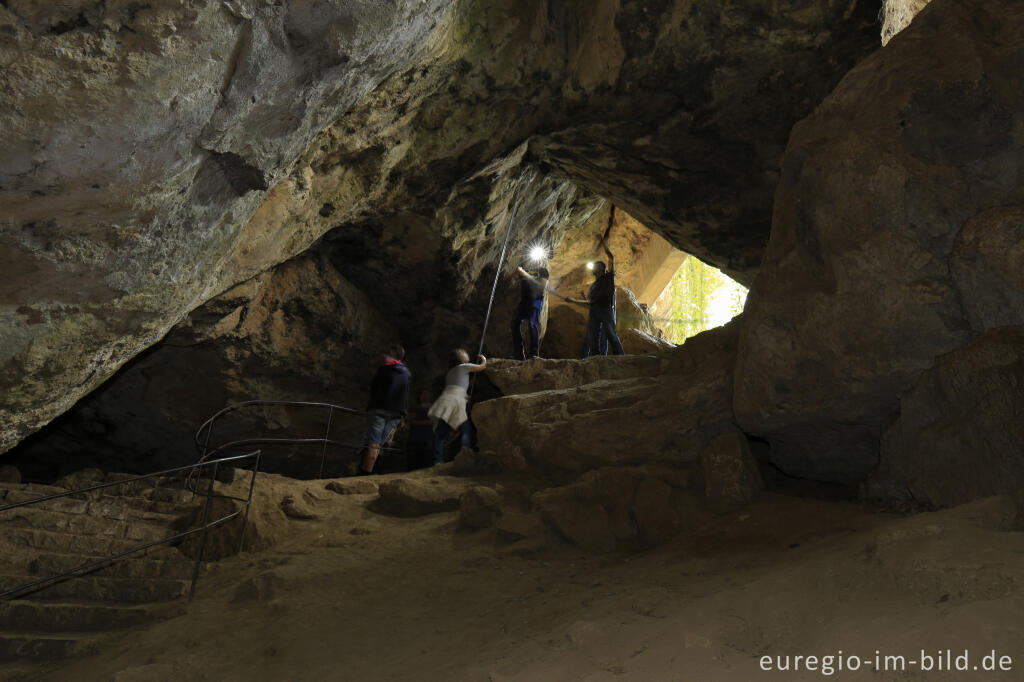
(389, 398)
(601, 321)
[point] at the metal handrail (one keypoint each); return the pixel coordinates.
(203, 443)
(207, 523)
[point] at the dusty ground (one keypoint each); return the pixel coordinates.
(355, 595)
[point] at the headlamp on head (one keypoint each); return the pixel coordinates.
(538, 253)
(590, 266)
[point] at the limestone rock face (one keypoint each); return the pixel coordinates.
(680, 400)
(856, 295)
(959, 436)
(644, 261)
(157, 155)
(729, 472)
(297, 332)
(897, 15)
(988, 266)
(147, 152)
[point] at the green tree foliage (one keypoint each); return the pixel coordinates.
(698, 298)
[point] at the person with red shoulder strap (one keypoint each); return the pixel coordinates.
(389, 398)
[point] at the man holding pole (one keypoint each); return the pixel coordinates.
(602, 307)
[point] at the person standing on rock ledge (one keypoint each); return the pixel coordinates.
(601, 321)
(533, 292)
(389, 398)
(450, 407)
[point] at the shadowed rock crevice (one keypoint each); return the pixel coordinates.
(244, 177)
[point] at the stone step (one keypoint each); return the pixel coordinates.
(171, 492)
(158, 490)
(24, 538)
(39, 489)
(66, 617)
(106, 505)
(101, 589)
(30, 517)
(166, 564)
(21, 645)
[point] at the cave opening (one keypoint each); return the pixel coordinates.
(664, 295)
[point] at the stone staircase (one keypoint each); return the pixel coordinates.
(73, 616)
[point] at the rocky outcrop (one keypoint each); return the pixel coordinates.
(857, 295)
(298, 332)
(157, 155)
(644, 261)
(959, 435)
(148, 166)
(616, 508)
(420, 496)
(578, 415)
(897, 15)
(728, 472)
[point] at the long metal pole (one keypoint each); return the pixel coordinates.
(494, 287)
(202, 536)
(248, 502)
(327, 435)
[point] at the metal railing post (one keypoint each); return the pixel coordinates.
(248, 502)
(327, 435)
(202, 535)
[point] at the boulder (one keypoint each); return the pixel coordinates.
(959, 436)
(665, 416)
(730, 474)
(353, 486)
(419, 497)
(479, 507)
(856, 295)
(297, 508)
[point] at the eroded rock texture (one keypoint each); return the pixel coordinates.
(960, 434)
(158, 154)
(280, 336)
(897, 15)
(570, 416)
(887, 248)
(147, 152)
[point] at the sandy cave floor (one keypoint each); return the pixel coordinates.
(355, 595)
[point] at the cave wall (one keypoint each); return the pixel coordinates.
(894, 242)
(158, 155)
(147, 157)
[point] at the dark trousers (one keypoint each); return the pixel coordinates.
(529, 311)
(441, 431)
(601, 327)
